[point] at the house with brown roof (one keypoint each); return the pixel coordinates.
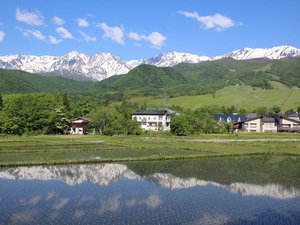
(80, 125)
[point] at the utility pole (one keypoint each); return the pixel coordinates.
(164, 100)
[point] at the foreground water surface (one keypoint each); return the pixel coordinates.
(229, 190)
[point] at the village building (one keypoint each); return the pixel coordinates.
(268, 124)
(154, 119)
(285, 124)
(257, 124)
(80, 125)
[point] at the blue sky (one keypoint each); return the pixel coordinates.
(136, 29)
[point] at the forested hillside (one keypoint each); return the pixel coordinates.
(16, 81)
(205, 77)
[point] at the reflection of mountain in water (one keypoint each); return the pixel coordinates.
(101, 174)
(104, 174)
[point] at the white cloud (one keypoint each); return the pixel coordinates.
(116, 34)
(58, 21)
(2, 34)
(155, 38)
(34, 33)
(54, 40)
(32, 18)
(217, 21)
(82, 22)
(87, 38)
(64, 33)
(135, 36)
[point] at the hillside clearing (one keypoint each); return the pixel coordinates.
(241, 96)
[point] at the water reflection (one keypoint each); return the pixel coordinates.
(104, 174)
(150, 193)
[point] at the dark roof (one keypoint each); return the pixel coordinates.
(289, 119)
(251, 115)
(268, 119)
(151, 112)
(230, 117)
(248, 120)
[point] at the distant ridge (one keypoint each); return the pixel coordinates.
(100, 66)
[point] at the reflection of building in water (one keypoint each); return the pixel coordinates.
(104, 174)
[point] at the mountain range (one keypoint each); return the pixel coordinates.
(100, 66)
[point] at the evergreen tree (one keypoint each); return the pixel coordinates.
(66, 102)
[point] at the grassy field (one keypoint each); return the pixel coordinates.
(15, 150)
(241, 96)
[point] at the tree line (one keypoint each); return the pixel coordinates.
(51, 113)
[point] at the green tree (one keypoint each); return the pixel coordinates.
(107, 121)
(66, 103)
(180, 125)
(83, 108)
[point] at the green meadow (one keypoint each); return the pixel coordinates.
(39, 150)
(245, 97)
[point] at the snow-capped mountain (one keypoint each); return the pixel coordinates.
(173, 58)
(268, 53)
(104, 174)
(73, 65)
(103, 65)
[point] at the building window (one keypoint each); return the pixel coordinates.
(160, 117)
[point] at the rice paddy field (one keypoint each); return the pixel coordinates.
(36, 150)
(234, 190)
(158, 179)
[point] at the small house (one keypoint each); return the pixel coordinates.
(80, 125)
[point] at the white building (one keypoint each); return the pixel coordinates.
(154, 119)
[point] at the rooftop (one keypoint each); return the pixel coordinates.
(151, 112)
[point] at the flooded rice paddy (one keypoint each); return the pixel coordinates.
(229, 190)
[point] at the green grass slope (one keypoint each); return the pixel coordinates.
(16, 81)
(241, 96)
